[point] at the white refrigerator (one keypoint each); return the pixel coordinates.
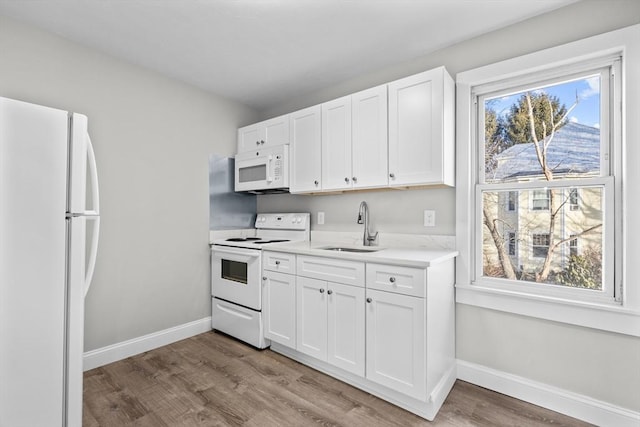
(49, 227)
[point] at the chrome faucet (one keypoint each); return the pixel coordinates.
(363, 218)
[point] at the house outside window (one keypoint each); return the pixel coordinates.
(512, 244)
(573, 245)
(573, 199)
(540, 245)
(512, 202)
(540, 200)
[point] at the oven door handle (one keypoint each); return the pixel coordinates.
(253, 253)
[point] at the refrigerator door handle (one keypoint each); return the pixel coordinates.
(92, 215)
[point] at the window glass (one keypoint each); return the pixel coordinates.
(541, 185)
(564, 140)
(545, 258)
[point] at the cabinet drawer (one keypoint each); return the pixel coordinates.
(279, 261)
(332, 270)
(400, 280)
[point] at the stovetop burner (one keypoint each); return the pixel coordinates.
(271, 241)
(243, 239)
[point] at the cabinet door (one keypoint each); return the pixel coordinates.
(311, 316)
(248, 138)
(336, 144)
(369, 138)
(416, 129)
(305, 151)
(275, 131)
(346, 327)
(396, 340)
(279, 307)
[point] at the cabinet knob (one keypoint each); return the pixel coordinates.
(329, 291)
(392, 279)
(257, 142)
(392, 175)
(262, 142)
(264, 277)
(369, 300)
(316, 182)
(354, 179)
(277, 262)
(321, 291)
(346, 179)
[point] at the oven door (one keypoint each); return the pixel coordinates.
(235, 276)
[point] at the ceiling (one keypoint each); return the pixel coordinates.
(264, 52)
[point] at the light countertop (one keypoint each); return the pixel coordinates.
(420, 257)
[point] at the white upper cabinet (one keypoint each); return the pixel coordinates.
(421, 129)
(305, 173)
(268, 133)
(399, 134)
(369, 138)
(336, 144)
(354, 141)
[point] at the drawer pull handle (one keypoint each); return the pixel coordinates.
(369, 300)
(392, 279)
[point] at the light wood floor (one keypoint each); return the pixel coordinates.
(214, 380)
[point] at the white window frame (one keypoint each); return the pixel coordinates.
(618, 316)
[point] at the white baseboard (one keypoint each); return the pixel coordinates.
(572, 404)
(122, 350)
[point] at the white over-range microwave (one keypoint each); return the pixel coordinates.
(264, 170)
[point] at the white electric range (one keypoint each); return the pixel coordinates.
(236, 269)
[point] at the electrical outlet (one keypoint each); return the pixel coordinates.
(429, 218)
(320, 218)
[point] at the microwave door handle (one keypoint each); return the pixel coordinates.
(269, 162)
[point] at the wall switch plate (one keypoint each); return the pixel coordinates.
(320, 218)
(429, 218)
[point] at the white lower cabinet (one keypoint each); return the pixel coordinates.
(312, 317)
(279, 307)
(345, 335)
(396, 337)
(387, 329)
(330, 323)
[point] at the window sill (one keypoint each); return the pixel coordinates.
(597, 316)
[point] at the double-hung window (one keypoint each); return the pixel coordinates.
(544, 137)
(546, 151)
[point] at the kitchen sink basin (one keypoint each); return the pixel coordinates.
(342, 249)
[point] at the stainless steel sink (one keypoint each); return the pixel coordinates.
(342, 249)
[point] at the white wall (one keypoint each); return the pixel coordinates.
(152, 137)
(601, 365)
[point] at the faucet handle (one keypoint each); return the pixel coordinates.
(373, 238)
